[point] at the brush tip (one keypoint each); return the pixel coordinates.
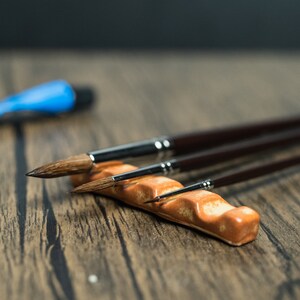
(72, 165)
(38, 172)
(31, 173)
(95, 186)
(78, 190)
(156, 199)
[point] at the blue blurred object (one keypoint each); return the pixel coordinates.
(53, 98)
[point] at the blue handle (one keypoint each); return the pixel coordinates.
(52, 97)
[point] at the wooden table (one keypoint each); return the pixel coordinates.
(55, 245)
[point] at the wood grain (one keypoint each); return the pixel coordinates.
(53, 243)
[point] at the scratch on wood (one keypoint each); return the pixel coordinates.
(276, 243)
(287, 287)
(57, 257)
(21, 183)
(103, 211)
(128, 261)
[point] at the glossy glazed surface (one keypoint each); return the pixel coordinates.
(203, 210)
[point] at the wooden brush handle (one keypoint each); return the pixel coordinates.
(255, 172)
(191, 142)
(209, 158)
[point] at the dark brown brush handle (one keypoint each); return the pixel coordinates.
(197, 141)
(239, 176)
(255, 172)
(208, 158)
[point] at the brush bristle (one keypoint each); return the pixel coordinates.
(156, 199)
(73, 165)
(95, 186)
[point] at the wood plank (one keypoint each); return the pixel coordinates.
(66, 239)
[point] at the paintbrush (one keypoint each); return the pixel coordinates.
(232, 178)
(197, 160)
(47, 99)
(162, 146)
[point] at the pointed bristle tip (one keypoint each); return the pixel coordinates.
(152, 200)
(96, 185)
(33, 173)
(73, 165)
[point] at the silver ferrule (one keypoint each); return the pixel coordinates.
(159, 147)
(207, 185)
(164, 147)
(91, 157)
(167, 168)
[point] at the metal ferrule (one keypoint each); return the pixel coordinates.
(92, 157)
(206, 185)
(164, 147)
(167, 168)
(203, 185)
(161, 146)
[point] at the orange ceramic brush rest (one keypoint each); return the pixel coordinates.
(202, 210)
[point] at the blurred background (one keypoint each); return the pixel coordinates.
(213, 24)
(155, 67)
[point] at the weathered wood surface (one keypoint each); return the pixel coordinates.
(52, 243)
